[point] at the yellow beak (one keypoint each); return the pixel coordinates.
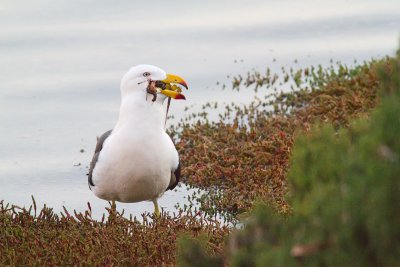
(173, 94)
(174, 91)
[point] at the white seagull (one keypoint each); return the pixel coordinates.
(137, 160)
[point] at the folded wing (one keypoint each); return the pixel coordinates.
(99, 147)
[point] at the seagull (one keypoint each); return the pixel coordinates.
(137, 160)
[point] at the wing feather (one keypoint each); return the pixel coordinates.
(175, 177)
(99, 147)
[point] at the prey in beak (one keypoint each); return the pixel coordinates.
(167, 87)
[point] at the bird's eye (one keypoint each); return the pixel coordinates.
(146, 74)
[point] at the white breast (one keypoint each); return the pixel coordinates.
(137, 158)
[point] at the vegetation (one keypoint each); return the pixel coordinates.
(244, 159)
(43, 238)
(245, 156)
(344, 193)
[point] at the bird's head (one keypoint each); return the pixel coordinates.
(154, 81)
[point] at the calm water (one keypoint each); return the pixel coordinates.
(61, 63)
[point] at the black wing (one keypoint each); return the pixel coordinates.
(175, 177)
(99, 147)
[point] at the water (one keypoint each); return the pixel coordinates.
(61, 63)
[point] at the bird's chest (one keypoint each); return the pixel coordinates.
(135, 156)
(133, 169)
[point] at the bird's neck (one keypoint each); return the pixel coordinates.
(138, 109)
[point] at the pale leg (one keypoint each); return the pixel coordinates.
(113, 206)
(156, 209)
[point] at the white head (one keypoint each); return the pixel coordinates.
(138, 79)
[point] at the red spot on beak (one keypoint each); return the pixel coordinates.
(180, 96)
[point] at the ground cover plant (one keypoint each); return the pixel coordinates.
(344, 193)
(245, 155)
(242, 159)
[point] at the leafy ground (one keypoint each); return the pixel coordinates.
(245, 156)
(242, 159)
(344, 194)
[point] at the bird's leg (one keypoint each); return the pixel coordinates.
(156, 209)
(112, 212)
(113, 206)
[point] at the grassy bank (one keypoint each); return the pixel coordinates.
(344, 191)
(240, 160)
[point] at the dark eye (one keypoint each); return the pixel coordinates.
(146, 74)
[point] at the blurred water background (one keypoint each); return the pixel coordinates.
(61, 63)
